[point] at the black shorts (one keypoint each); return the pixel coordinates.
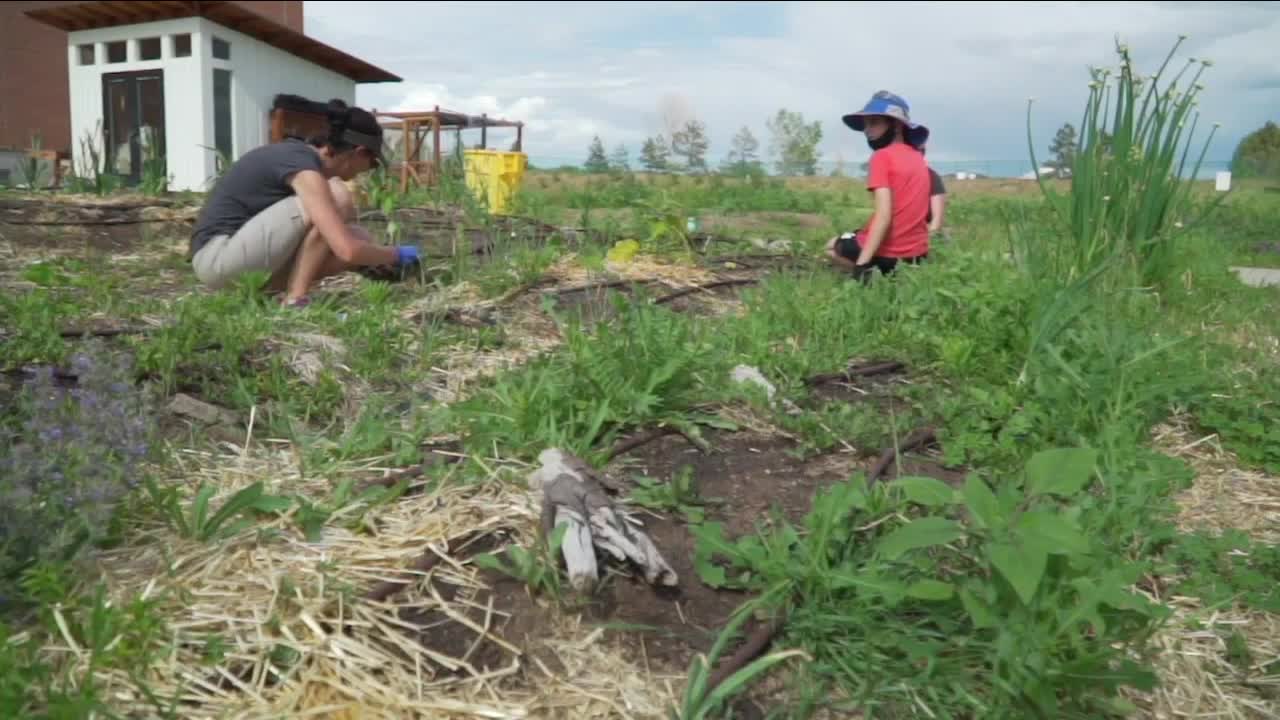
(849, 247)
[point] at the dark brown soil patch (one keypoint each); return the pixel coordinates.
(743, 481)
(747, 482)
(505, 607)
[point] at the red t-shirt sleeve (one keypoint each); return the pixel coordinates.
(878, 171)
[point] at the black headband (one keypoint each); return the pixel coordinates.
(355, 137)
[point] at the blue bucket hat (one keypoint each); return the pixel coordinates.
(893, 106)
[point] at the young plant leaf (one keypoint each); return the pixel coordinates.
(1061, 471)
(931, 590)
(982, 503)
(926, 491)
(1052, 532)
(922, 533)
(978, 611)
(1023, 566)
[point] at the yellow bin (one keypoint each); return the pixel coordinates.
(494, 176)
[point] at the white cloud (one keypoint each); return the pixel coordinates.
(616, 69)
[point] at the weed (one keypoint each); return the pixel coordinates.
(198, 524)
(1129, 180)
(997, 602)
(538, 569)
(680, 494)
(68, 458)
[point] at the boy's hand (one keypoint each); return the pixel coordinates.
(863, 272)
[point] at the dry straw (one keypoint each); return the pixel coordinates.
(267, 625)
(1198, 677)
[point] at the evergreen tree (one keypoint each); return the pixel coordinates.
(596, 161)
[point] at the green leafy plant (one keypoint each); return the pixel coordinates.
(1129, 174)
(1008, 595)
(680, 494)
(234, 516)
(699, 701)
(538, 568)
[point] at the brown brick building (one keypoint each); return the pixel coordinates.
(34, 96)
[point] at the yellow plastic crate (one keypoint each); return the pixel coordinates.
(494, 175)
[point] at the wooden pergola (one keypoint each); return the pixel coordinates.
(415, 126)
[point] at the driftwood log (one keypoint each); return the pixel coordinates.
(573, 495)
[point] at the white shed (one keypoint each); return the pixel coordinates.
(198, 77)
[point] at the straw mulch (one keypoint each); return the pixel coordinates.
(527, 330)
(299, 638)
(1224, 495)
(1200, 648)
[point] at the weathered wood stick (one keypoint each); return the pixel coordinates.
(108, 332)
(423, 564)
(755, 644)
(577, 549)
(626, 446)
(601, 286)
(707, 286)
(917, 439)
(873, 369)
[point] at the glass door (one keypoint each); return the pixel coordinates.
(133, 116)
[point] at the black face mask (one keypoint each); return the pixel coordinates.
(885, 141)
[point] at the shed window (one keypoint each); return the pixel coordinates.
(118, 52)
(86, 54)
(149, 48)
(182, 45)
(222, 112)
(221, 49)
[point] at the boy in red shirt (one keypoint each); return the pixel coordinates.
(898, 230)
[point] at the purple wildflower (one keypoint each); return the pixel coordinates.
(75, 455)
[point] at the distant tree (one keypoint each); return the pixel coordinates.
(1063, 150)
(794, 144)
(655, 155)
(596, 161)
(691, 143)
(1258, 154)
(838, 170)
(620, 159)
(744, 154)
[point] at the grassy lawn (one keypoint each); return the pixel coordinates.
(215, 507)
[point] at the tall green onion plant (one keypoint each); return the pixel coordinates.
(1129, 190)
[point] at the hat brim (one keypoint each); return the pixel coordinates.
(917, 134)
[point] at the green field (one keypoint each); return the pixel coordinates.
(1088, 530)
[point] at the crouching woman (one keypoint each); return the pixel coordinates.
(898, 179)
(285, 208)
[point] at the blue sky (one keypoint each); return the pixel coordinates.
(625, 71)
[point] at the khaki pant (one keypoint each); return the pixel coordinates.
(268, 242)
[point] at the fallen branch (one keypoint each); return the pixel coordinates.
(574, 496)
(601, 286)
(108, 332)
(708, 286)
(863, 371)
(917, 439)
(756, 642)
(423, 564)
(626, 446)
(412, 473)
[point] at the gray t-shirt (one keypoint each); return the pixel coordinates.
(258, 180)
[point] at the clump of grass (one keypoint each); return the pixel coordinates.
(1129, 186)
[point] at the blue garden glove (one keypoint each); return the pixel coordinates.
(408, 254)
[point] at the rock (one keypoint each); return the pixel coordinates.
(186, 406)
(748, 374)
(779, 246)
